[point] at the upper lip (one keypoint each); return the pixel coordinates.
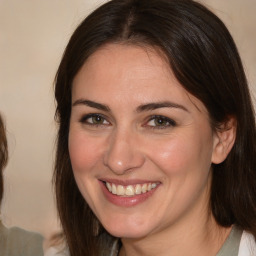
(128, 182)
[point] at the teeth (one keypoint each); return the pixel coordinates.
(113, 189)
(153, 185)
(144, 188)
(138, 189)
(120, 190)
(130, 190)
(109, 187)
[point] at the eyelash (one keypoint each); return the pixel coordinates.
(85, 118)
(168, 122)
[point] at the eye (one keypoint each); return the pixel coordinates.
(94, 119)
(160, 122)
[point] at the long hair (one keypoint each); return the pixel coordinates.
(3, 155)
(205, 60)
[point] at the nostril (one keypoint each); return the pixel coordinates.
(121, 155)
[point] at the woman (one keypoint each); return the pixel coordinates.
(15, 241)
(156, 142)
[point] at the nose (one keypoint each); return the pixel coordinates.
(123, 153)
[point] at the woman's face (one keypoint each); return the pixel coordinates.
(141, 146)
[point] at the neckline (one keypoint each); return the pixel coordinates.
(231, 244)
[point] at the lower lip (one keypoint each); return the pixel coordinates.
(124, 201)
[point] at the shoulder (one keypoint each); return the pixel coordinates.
(19, 242)
(247, 245)
(55, 251)
(24, 237)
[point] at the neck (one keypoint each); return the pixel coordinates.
(194, 233)
(193, 241)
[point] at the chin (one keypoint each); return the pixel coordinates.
(130, 234)
(127, 231)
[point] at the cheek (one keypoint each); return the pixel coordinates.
(84, 152)
(172, 155)
(84, 155)
(182, 154)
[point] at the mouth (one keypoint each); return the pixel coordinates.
(130, 190)
(128, 193)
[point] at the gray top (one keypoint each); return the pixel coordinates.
(18, 242)
(229, 248)
(232, 243)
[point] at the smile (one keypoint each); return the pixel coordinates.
(130, 190)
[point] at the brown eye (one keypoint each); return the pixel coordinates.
(97, 120)
(94, 119)
(160, 122)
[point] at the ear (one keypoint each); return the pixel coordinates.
(223, 141)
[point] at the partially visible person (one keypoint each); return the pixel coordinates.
(15, 241)
(56, 246)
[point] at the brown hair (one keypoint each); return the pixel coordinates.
(205, 60)
(3, 155)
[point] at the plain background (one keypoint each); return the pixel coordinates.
(33, 35)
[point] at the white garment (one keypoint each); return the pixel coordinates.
(247, 245)
(54, 251)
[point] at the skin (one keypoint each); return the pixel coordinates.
(128, 143)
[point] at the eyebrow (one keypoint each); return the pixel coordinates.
(165, 104)
(141, 108)
(91, 104)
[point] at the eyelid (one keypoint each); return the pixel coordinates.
(171, 122)
(168, 122)
(91, 115)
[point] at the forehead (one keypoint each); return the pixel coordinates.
(116, 70)
(130, 60)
